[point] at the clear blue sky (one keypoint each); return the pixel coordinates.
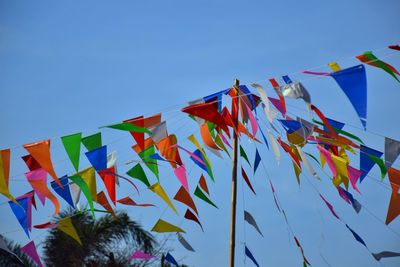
(69, 67)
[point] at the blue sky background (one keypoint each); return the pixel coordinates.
(70, 67)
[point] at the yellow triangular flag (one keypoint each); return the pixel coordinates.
(89, 176)
(165, 227)
(342, 175)
(334, 66)
(5, 173)
(157, 188)
(67, 227)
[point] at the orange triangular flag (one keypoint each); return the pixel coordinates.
(394, 205)
(203, 184)
(103, 201)
(40, 151)
(183, 196)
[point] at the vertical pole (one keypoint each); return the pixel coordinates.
(235, 115)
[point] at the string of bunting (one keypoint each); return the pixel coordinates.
(154, 143)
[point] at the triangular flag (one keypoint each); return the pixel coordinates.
(184, 197)
(380, 163)
(98, 158)
(169, 151)
(184, 243)
(30, 162)
(257, 161)
(250, 255)
(330, 207)
(353, 82)
(190, 216)
(108, 177)
(243, 154)
(23, 211)
(209, 112)
(246, 178)
(366, 163)
(64, 192)
(103, 201)
(203, 184)
(150, 162)
(92, 142)
(85, 189)
(202, 196)
(356, 236)
(385, 254)
(394, 204)
(67, 227)
(162, 226)
(37, 179)
(40, 151)
(138, 173)
(143, 122)
(171, 259)
(126, 126)
(131, 202)
(140, 255)
(354, 174)
(392, 151)
(30, 250)
(72, 144)
(180, 173)
(5, 173)
(89, 177)
(372, 60)
(157, 188)
(250, 219)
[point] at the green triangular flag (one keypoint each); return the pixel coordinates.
(150, 163)
(380, 163)
(85, 189)
(138, 173)
(72, 145)
(202, 196)
(342, 132)
(127, 126)
(92, 142)
(243, 155)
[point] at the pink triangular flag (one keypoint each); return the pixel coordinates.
(180, 173)
(141, 255)
(37, 175)
(328, 157)
(354, 174)
(30, 250)
(253, 121)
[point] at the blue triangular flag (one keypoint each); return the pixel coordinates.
(251, 257)
(265, 139)
(366, 163)
(335, 124)
(171, 259)
(63, 192)
(198, 163)
(257, 160)
(20, 211)
(98, 158)
(290, 125)
(356, 236)
(286, 79)
(353, 82)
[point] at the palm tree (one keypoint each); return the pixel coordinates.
(6, 259)
(106, 241)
